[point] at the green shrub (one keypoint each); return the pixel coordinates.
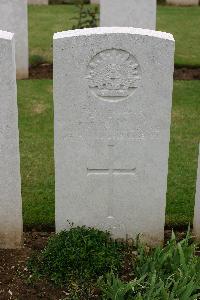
(87, 16)
(36, 60)
(80, 254)
(161, 2)
(86, 258)
(169, 273)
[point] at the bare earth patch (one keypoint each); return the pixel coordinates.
(14, 276)
(39, 108)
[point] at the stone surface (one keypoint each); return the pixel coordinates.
(183, 2)
(94, 1)
(38, 2)
(133, 13)
(10, 183)
(14, 19)
(196, 224)
(112, 96)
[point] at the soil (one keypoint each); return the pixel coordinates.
(187, 73)
(42, 71)
(45, 71)
(15, 277)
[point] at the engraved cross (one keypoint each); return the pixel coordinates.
(111, 172)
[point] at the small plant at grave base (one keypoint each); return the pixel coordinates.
(87, 16)
(169, 273)
(77, 256)
(36, 60)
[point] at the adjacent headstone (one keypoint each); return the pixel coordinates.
(129, 13)
(183, 2)
(10, 185)
(196, 224)
(112, 129)
(14, 19)
(94, 1)
(38, 2)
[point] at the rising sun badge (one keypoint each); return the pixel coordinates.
(113, 74)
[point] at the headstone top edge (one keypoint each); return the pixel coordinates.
(6, 35)
(110, 30)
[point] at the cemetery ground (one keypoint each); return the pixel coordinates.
(37, 167)
(182, 22)
(37, 140)
(35, 102)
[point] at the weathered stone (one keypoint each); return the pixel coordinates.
(183, 2)
(196, 225)
(14, 19)
(38, 2)
(94, 1)
(129, 13)
(10, 184)
(113, 95)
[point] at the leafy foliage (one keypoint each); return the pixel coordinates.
(169, 273)
(36, 60)
(87, 16)
(90, 263)
(78, 255)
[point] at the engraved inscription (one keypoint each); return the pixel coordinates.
(113, 74)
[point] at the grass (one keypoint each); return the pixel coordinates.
(36, 145)
(183, 22)
(185, 136)
(36, 142)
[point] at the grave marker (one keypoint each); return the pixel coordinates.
(10, 184)
(112, 129)
(14, 19)
(129, 13)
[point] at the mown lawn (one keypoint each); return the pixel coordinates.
(183, 22)
(36, 142)
(185, 136)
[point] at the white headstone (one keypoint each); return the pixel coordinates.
(38, 2)
(10, 183)
(196, 224)
(129, 13)
(183, 2)
(113, 95)
(14, 19)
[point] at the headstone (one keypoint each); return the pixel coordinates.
(196, 224)
(38, 2)
(14, 19)
(183, 2)
(129, 13)
(112, 129)
(10, 184)
(94, 1)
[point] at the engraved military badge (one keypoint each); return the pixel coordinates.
(113, 74)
